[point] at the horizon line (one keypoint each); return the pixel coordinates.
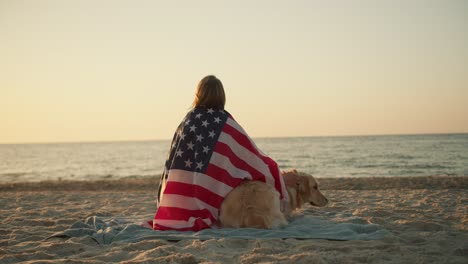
(261, 137)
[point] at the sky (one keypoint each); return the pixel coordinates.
(94, 70)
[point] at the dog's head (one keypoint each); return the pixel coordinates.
(308, 191)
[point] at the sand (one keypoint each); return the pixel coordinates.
(428, 217)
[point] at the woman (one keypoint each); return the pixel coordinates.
(210, 155)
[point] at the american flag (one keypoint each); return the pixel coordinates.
(210, 155)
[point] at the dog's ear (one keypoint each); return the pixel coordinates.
(302, 184)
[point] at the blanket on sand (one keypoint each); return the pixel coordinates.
(106, 230)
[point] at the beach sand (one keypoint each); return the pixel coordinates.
(427, 216)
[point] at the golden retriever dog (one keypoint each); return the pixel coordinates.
(257, 204)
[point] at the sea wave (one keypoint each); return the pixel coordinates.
(382, 156)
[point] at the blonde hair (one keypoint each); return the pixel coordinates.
(210, 93)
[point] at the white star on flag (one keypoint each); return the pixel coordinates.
(217, 120)
(205, 123)
(212, 134)
(206, 149)
(199, 165)
(210, 111)
(199, 137)
(199, 115)
(179, 153)
(192, 128)
(190, 145)
(188, 163)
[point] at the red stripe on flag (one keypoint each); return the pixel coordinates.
(241, 139)
(245, 141)
(226, 151)
(274, 170)
(198, 225)
(176, 213)
(222, 175)
(195, 191)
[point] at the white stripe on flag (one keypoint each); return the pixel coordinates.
(177, 224)
(188, 203)
(200, 179)
(247, 156)
(224, 163)
(236, 125)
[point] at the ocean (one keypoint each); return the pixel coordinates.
(347, 156)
